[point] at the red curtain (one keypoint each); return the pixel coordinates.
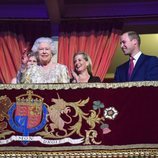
(14, 37)
(11, 48)
(99, 39)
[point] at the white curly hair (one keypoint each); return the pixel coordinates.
(44, 40)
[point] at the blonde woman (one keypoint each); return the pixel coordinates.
(83, 69)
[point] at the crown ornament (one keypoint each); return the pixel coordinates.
(29, 99)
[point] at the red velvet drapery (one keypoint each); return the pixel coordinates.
(11, 48)
(99, 39)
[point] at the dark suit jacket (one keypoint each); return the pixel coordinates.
(146, 69)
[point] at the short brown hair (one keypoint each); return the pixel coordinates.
(134, 35)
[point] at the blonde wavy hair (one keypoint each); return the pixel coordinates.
(87, 58)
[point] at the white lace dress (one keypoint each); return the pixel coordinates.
(56, 74)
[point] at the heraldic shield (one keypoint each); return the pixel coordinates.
(28, 114)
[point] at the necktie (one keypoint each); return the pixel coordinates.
(131, 67)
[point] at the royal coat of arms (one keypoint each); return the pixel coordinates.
(28, 114)
(30, 119)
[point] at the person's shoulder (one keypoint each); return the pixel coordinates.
(94, 79)
(150, 57)
(33, 68)
(61, 65)
(123, 65)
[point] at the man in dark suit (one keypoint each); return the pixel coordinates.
(139, 67)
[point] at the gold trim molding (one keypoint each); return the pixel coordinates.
(79, 85)
(84, 154)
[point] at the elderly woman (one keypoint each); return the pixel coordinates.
(46, 71)
(83, 69)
